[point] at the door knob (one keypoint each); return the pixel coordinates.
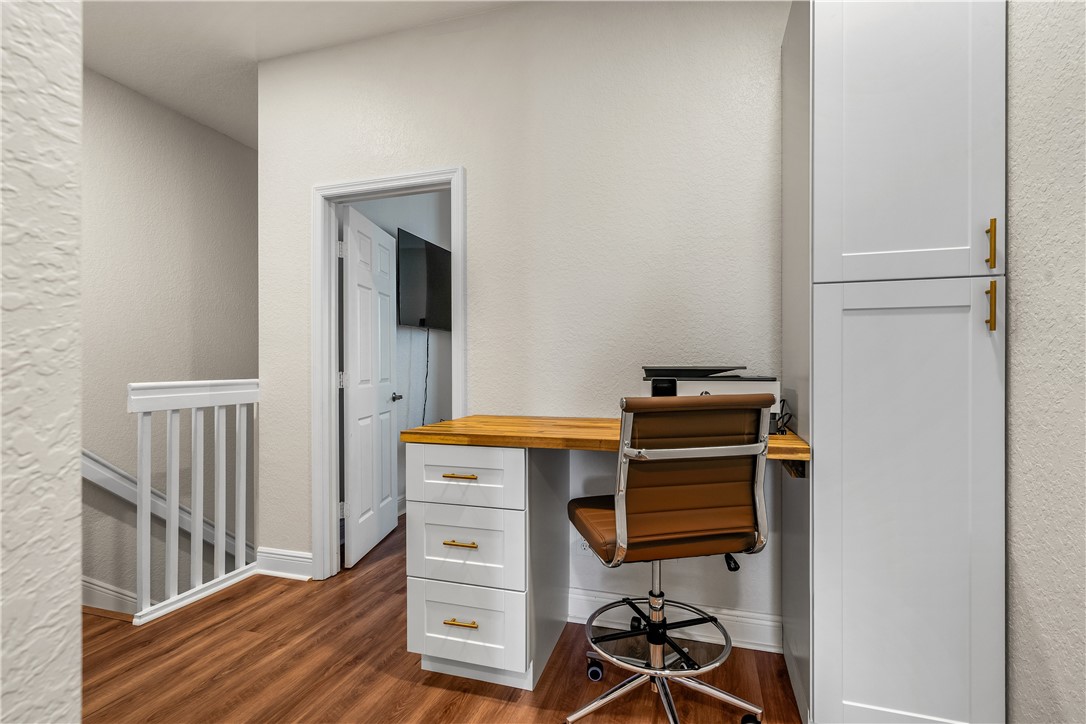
(396, 396)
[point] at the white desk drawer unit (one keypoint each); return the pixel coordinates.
(468, 624)
(490, 477)
(466, 544)
(475, 606)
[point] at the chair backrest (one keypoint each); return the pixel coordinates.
(691, 472)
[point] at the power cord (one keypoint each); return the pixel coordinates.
(783, 418)
(426, 380)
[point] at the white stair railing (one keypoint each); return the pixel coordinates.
(147, 398)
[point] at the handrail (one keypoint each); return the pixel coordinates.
(162, 396)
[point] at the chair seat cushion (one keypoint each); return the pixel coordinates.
(651, 536)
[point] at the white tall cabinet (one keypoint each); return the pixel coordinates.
(893, 162)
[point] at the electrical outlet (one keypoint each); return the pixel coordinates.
(582, 547)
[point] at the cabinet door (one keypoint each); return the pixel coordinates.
(908, 502)
(909, 129)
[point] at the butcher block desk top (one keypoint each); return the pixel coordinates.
(561, 433)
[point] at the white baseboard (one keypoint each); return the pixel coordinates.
(401, 505)
(749, 630)
(284, 564)
(99, 594)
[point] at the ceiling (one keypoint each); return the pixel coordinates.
(199, 58)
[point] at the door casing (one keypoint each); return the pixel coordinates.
(324, 335)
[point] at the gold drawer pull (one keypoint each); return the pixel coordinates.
(991, 293)
(457, 544)
(461, 624)
(458, 476)
(991, 232)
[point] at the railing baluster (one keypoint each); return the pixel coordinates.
(173, 398)
(143, 510)
(240, 451)
(220, 490)
(173, 497)
(196, 527)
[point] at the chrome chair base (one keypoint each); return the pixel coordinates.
(660, 683)
(676, 666)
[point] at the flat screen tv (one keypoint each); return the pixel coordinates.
(423, 283)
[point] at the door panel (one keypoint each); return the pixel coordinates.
(908, 499)
(909, 137)
(369, 345)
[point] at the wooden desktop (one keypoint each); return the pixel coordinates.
(559, 433)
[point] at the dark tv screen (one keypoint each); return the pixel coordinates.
(423, 283)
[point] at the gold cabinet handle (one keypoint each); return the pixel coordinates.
(458, 476)
(457, 544)
(461, 624)
(991, 232)
(991, 293)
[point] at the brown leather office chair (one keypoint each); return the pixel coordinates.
(690, 483)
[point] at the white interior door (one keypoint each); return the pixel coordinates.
(909, 139)
(369, 356)
(908, 501)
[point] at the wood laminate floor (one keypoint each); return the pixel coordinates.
(274, 650)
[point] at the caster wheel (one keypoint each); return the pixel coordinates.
(595, 671)
(636, 624)
(750, 719)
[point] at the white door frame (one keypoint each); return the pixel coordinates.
(324, 335)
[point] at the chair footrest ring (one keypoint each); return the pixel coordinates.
(678, 654)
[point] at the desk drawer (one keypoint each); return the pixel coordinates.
(466, 544)
(496, 632)
(490, 477)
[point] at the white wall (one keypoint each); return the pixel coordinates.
(169, 290)
(40, 62)
(623, 181)
(622, 169)
(1046, 362)
(420, 382)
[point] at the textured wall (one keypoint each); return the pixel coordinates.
(169, 292)
(1046, 380)
(40, 57)
(623, 182)
(428, 216)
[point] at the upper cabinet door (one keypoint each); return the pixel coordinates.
(909, 130)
